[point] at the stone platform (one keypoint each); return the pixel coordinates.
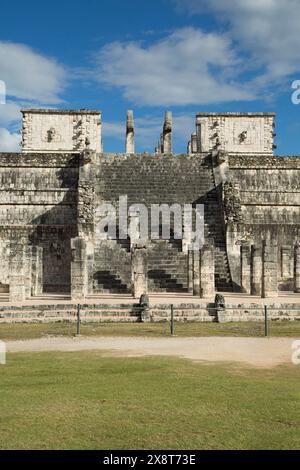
(123, 308)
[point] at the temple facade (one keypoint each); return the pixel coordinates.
(53, 193)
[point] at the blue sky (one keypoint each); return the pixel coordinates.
(151, 56)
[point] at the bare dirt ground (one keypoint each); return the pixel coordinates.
(257, 352)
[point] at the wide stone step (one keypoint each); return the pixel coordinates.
(164, 281)
(109, 281)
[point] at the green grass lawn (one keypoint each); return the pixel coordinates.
(37, 330)
(88, 401)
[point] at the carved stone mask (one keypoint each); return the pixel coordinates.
(243, 136)
(51, 134)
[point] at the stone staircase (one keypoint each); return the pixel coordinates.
(214, 230)
(153, 179)
(167, 268)
(112, 267)
(110, 283)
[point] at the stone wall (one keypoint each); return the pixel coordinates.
(270, 193)
(268, 190)
(97, 312)
(49, 130)
(251, 133)
(38, 208)
(48, 199)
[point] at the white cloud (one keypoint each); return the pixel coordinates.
(267, 29)
(31, 80)
(186, 67)
(9, 113)
(113, 129)
(9, 142)
(29, 75)
(147, 131)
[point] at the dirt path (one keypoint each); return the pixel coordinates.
(259, 352)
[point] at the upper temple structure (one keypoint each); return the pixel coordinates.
(53, 192)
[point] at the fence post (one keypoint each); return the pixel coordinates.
(172, 320)
(266, 322)
(78, 320)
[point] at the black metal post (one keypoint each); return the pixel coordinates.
(78, 320)
(266, 322)
(172, 320)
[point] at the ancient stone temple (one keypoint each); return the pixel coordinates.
(53, 191)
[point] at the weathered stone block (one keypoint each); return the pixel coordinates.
(196, 273)
(37, 271)
(17, 291)
(297, 269)
(78, 269)
(256, 270)
(270, 270)
(207, 272)
(139, 270)
(246, 269)
(50, 130)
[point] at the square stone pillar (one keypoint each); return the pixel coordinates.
(16, 273)
(134, 229)
(286, 262)
(297, 269)
(194, 143)
(187, 228)
(90, 268)
(78, 269)
(139, 266)
(246, 269)
(207, 272)
(196, 273)
(193, 228)
(270, 274)
(167, 133)
(256, 270)
(190, 271)
(27, 270)
(37, 271)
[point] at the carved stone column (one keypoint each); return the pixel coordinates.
(139, 266)
(201, 132)
(207, 272)
(187, 228)
(194, 143)
(16, 273)
(129, 132)
(27, 270)
(256, 270)
(134, 228)
(37, 271)
(190, 271)
(78, 268)
(297, 269)
(270, 275)
(285, 262)
(90, 268)
(167, 133)
(196, 273)
(246, 269)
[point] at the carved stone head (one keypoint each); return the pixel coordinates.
(51, 134)
(243, 136)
